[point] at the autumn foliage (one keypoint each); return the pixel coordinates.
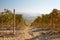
(48, 20)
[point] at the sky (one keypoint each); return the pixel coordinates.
(30, 6)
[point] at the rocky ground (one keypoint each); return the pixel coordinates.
(33, 34)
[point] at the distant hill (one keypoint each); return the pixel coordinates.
(29, 18)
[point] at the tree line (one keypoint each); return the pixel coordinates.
(45, 20)
(51, 19)
(7, 18)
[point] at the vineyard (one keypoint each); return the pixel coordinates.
(44, 27)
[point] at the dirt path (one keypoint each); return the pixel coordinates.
(29, 34)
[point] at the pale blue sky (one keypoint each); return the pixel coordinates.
(30, 6)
